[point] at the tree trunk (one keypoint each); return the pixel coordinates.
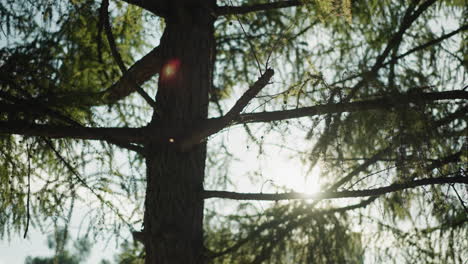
(173, 224)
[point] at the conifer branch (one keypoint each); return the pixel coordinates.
(244, 9)
(428, 44)
(248, 95)
(31, 109)
(83, 182)
(409, 52)
(28, 197)
(334, 195)
(384, 103)
(24, 128)
(410, 16)
(277, 221)
(139, 73)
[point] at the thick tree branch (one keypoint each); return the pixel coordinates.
(333, 195)
(248, 95)
(384, 103)
(238, 10)
(139, 73)
(30, 110)
(115, 53)
(213, 126)
(155, 7)
(57, 131)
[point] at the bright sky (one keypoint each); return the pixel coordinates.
(16, 250)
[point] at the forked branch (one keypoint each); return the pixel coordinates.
(427, 44)
(136, 75)
(212, 126)
(115, 53)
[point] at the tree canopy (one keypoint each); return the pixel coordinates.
(146, 117)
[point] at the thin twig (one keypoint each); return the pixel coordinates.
(427, 44)
(252, 48)
(459, 198)
(83, 182)
(28, 216)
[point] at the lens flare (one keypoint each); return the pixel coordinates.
(170, 69)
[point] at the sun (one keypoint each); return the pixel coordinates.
(283, 171)
(293, 175)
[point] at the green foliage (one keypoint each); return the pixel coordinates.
(284, 233)
(131, 254)
(323, 52)
(58, 60)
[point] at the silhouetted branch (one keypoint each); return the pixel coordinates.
(155, 7)
(115, 53)
(28, 198)
(139, 236)
(61, 131)
(212, 126)
(411, 15)
(383, 103)
(427, 44)
(248, 95)
(238, 10)
(333, 195)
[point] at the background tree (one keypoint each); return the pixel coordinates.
(58, 242)
(131, 253)
(378, 97)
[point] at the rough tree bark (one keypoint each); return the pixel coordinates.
(173, 230)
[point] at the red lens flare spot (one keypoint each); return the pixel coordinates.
(170, 69)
